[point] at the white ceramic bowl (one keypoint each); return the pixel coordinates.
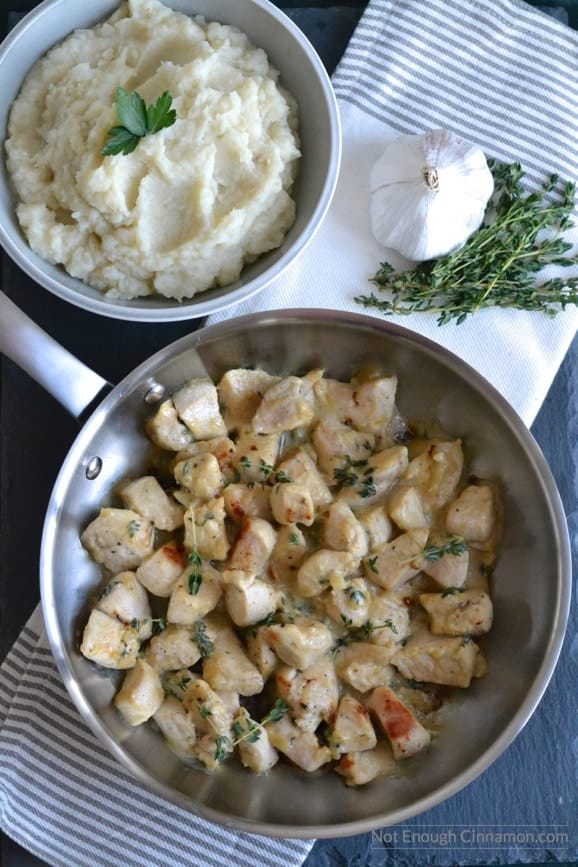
(302, 73)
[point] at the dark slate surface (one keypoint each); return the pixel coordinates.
(531, 788)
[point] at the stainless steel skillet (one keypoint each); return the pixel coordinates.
(532, 582)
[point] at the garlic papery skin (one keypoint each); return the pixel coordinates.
(429, 194)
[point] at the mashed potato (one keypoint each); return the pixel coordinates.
(195, 201)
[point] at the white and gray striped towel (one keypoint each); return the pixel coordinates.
(500, 74)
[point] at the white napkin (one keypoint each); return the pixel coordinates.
(502, 75)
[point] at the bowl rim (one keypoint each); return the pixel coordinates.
(511, 419)
(138, 310)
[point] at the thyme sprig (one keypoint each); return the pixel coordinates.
(497, 266)
(202, 640)
(451, 545)
(361, 633)
(347, 477)
(250, 731)
(268, 471)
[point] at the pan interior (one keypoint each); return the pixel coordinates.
(530, 583)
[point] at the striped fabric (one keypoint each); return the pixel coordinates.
(387, 75)
(63, 797)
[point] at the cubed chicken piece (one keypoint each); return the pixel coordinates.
(201, 476)
(205, 530)
(231, 699)
(437, 659)
(125, 598)
(406, 735)
(108, 642)
(352, 730)
(467, 612)
(260, 653)
(247, 501)
(165, 429)
(301, 747)
(373, 404)
(325, 568)
(146, 497)
(240, 392)
(436, 472)
(197, 405)
(253, 546)
(333, 399)
(292, 504)
(228, 667)
(348, 604)
(449, 570)
(285, 406)
(256, 456)
(222, 448)
(119, 539)
(195, 594)
(472, 515)
(377, 525)
(312, 694)
(388, 618)
(177, 727)
(406, 509)
(333, 441)
(159, 572)
(301, 468)
(253, 744)
(172, 649)
(369, 483)
(288, 553)
(141, 693)
(343, 532)
(396, 562)
(177, 682)
(365, 666)
(299, 644)
(212, 721)
(363, 767)
(248, 599)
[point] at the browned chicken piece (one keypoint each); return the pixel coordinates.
(288, 553)
(472, 515)
(223, 448)
(197, 405)
(228, 667)
(449, 570)
(256, 751)
(348, 604)
(406, 508)
(396, 562)
(256, 456)
(248, 599)
(146, 497)
(333, 441)
(467, 612)
(205, 530)
(438, 659)
(287, 405)
(406, 735)
(109, 642)
(373, 404)
(292, 504)
(365, 666)
(125, 598)
(253, 546)
(260, 653)
(141, 693)
(367, 484)
(160, 571)
(166, 430)
(248, 501)
(299, 644)
(312, 693)
(436, 472)
(388, 618)
(177, 726)
(172, 649)
(377, 525)
(362, 767)
(240, 392)
(119, 539)
(352, 730)
(324, 568)
(212, 719)
(342, 531)
(300, 747)
(200, 475)
(301, 468)
(195, 594)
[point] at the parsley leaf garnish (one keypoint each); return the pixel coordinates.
(137, 120)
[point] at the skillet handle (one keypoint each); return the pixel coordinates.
(64, 376)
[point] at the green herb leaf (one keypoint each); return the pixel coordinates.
(136, 120)
(222, 747)
(277, 712)
(497, 266)
(195, 581)
(451, 545)
(451, 591)
(160, 114)
(202, 640)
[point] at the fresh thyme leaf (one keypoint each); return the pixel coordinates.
(363, 632)
(452, 545)
(133, 527)
(194, 557)
(202, 640)
(269, 471)
(371, 563)
(356, 596)
(497, 266)
(136, 120)
(451, 591)
(277, 712)
(158, 624)
(204, 712)
(222, 747)
(195, 581)
(108, 588)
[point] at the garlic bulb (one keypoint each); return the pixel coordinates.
(429, 193)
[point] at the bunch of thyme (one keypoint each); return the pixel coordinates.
(497, 266)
